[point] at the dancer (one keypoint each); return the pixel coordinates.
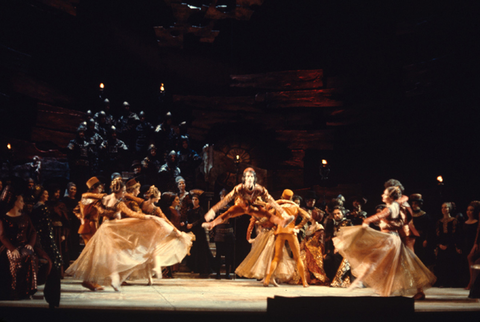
(380, 259)
(257, 263)
(288, 234)
(245, 195)
(88, 214)
(179, 246)
(123, 248)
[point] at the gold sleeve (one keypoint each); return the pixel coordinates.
(133, 214)
(305, 217)
(383, 214)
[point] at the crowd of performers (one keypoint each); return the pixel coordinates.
(136, 232)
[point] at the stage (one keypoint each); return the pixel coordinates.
(242, 299)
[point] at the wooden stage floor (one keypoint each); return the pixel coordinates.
(186, 297)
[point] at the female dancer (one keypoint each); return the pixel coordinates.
(175, 247)
(257, 263)
(380, 259)
(122, 247)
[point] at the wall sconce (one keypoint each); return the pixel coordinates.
(101, 88)
(440, 180)
(324, 169)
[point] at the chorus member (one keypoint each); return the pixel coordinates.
(448, 247)
(201, 258)
(18, 259)
(42, 221)
(224, 237)
(312, 250)
(471, 229)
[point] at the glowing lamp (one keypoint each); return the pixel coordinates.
(9, 146)
(102, 86)
(440, 179)
(324, 162)
(162, 88)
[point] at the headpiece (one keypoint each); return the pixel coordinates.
(178, 179)
(287, 194)
(92, 181)
(132, 183)
(416, 197)
(152, 192)
(116, 184)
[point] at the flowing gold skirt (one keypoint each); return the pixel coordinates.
(257, 262)
(382, 261)
(129, 247)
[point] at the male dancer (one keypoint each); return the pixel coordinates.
(88, 214)
(245, 195)
(288, 234)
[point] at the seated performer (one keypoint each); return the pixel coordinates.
(288, 234)
(246, 195)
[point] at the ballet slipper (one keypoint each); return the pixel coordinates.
(115, 282)
(274, 282)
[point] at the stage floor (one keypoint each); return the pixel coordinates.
(222, 298)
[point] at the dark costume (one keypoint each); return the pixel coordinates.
(42, 221)
(225, 246)
(188, 161)
(143, 133)
(73, 239)
(447, 264)
(336, 267)
(167, 174)
(113, 153)
(423, 225)
(18, 276)
(201, 258)
(79, 155)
